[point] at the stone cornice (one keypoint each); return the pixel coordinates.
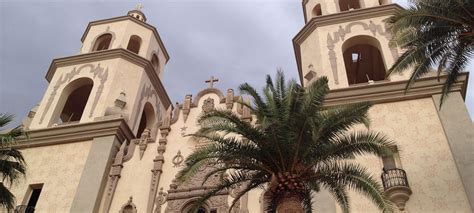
(122, 18)
(110, 54)
(76, 132)
(384, 92)
(335, 18)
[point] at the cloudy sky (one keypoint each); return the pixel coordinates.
(236, 41)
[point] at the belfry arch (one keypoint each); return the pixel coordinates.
(134, 44)
(73, 101)
(148, 119)
(345, 5)
(102, 42)
(363, 60)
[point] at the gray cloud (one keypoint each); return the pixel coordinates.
(236, 41)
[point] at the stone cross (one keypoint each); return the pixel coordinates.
(211, 81)
(139, 6)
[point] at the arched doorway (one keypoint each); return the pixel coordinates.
(363, 60)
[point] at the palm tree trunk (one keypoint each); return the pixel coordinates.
(290, 203)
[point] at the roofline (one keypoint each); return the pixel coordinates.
(110, 54)
(123, 18)
(335, 18)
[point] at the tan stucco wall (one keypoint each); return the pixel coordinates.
(59, 168)
(425, 156)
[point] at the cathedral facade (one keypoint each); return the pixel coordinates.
(107, 138)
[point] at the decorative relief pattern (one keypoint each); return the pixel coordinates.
(128, 207)
(159, 160)
(178, 159)
(63, 79)
(187, 106)
(160, 200)
(145, 138)
(182, 194)
(208, 105)
(102, 75)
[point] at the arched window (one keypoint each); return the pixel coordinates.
(363, 60)
(147, 120)
(134, 44)
(155, 62)
(102, 42)
(346, 5)
(317, 10)
(73, 101)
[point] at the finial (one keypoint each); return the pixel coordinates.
(139, 6)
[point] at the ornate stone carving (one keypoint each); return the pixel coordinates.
(114, 176)
(119, 104)
(208, 105)
(145, 138)
(183, 130)
(178, 159)
(129, 206)
(187, 106)
(102, 75)
(160, 200)
(229, 99)
(158, 161)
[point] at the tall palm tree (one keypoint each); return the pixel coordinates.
(12, 163)
(296, 147)
(434, 32)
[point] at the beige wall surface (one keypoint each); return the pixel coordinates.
(59, 168)
(425, 156)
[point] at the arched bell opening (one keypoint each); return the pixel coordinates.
(317, 11)
(346, 5)
(148, 119)
(134, 44)
(73, 101)
(363, 60)
(102, 42)
(155, 62)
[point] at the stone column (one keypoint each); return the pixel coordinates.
(91, 185)
(459, 130)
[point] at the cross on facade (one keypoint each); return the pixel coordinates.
(211, 81)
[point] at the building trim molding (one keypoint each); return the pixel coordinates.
(75, 132)
(384, 92)
(112, 54)
(123, 18)
(336, 18)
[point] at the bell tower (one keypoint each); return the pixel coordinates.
(347, 41)
(116, 75)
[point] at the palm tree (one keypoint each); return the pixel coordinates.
(12, 163)
(296, 147)
(434, 32)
